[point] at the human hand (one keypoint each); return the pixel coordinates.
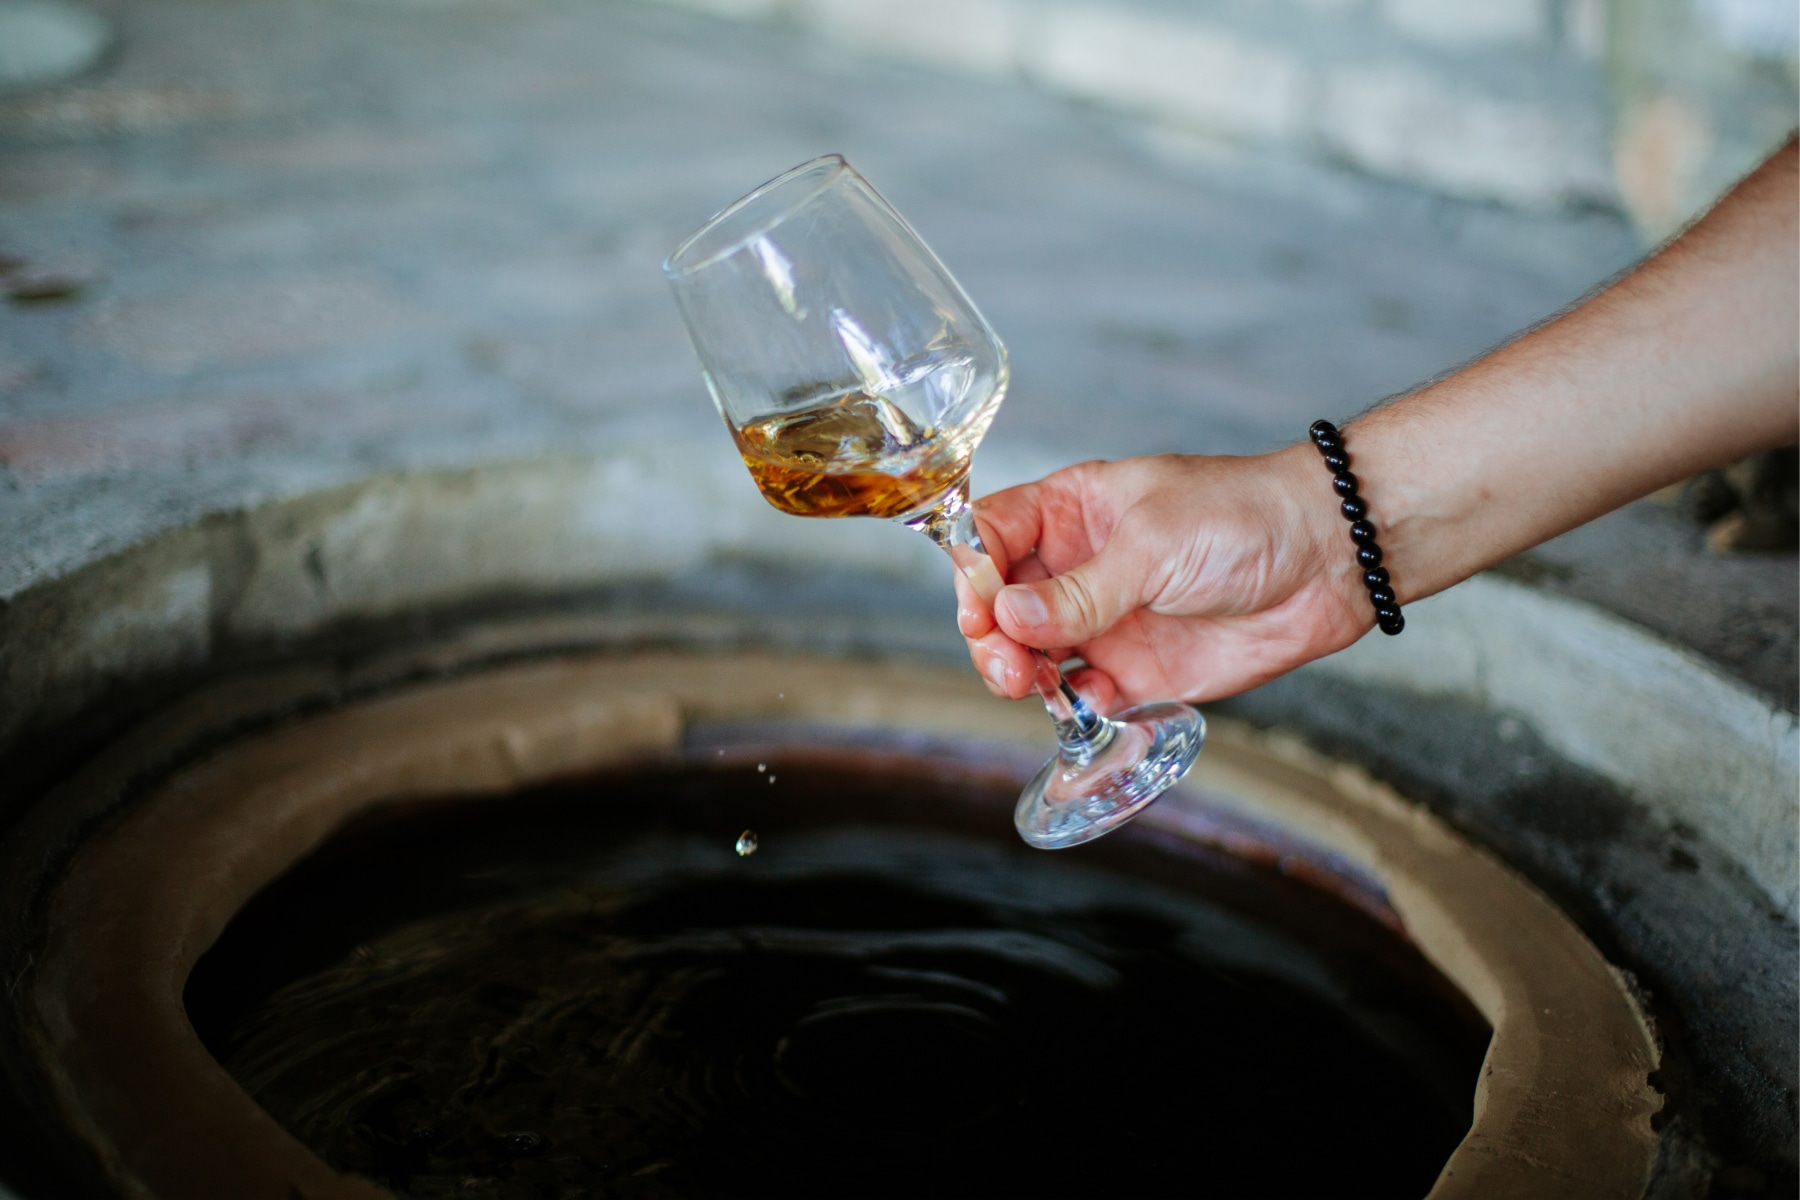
(1173, 577)
(1196, 578)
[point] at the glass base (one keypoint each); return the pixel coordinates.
(1069, 802)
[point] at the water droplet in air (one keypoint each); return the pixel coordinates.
(762, 766)
(771, 779)
(746, 843)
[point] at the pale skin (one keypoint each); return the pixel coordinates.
(1192, 577)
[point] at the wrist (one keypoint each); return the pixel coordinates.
(1326, 552)
(1423, 495)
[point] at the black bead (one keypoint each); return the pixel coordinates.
(1330, 442)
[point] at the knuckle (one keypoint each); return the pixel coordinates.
(1080, 607)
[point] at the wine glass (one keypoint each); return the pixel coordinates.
(856, 377)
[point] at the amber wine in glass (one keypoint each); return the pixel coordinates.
(857, 378)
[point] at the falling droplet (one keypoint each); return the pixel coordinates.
(746, 843)
(771, 779)
(762, 766)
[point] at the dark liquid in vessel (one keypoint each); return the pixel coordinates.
(584, 991)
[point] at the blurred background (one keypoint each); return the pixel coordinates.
(338, 324)
(256, 248)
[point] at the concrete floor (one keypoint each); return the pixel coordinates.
(325, 238)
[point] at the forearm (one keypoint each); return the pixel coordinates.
(1687, 363)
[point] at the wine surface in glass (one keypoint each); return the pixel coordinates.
(857, 456)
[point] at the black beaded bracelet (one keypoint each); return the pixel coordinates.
(1330, 442)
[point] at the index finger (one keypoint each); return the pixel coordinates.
(1008, 522)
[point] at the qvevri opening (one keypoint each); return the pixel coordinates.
(584, 989)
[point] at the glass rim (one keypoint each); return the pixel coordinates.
(674, 269)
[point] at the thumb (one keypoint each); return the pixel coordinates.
(1076, 606)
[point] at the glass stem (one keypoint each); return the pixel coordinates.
(1081, 733)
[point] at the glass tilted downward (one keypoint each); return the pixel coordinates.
(857, 378)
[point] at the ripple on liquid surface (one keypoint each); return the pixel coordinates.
(552, 996)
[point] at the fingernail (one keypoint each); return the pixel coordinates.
(996, 672)
(1024, 606)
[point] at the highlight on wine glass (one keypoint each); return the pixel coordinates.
(857, 378)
